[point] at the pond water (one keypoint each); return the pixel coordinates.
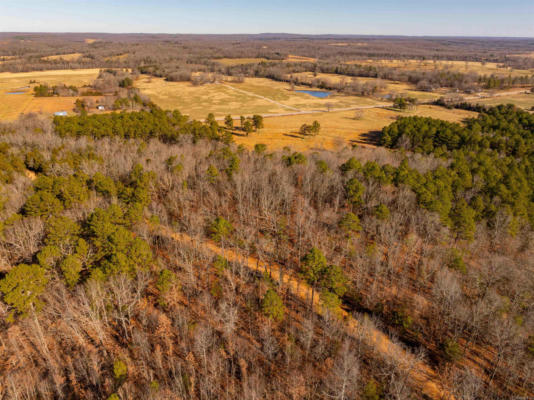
(321, 94)
(15, 92)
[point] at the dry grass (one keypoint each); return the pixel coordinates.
(281, 92)
(199, 101)
(524, 55)
(459, 66)
(392, 87)
(240, 61)
(254, 96)
(63, 57)
(525, 101)
(91, 41)
(338, 129)
(15, 104)
(294, 58)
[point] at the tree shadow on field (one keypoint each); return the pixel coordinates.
(294, 135)
(371, 138)
(237, 133)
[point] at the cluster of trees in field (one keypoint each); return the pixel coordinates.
(126, 273)
(43, 90)
(247, 124)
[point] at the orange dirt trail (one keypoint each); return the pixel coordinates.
(421, 375)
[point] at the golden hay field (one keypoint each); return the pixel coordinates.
(254, 96)
(525, 101)
(240, 61)
(392, 87)
(15, 104)
(459, 66)
(524, 55)
(338, 129)
(294, 58)
(63, 57)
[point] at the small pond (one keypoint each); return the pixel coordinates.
(15, 92)
(321, 94)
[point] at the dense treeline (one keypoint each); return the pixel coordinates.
(111, 287)
(490, 174)
(156, 123)
(424, 80)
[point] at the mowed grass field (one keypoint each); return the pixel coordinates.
(254, 96)
(338, 129)
(15, 104)
(458, 66)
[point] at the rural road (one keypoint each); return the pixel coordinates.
(420, 374)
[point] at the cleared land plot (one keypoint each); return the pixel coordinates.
(392, 87)
(338, 129)
(525, 101)
(282, 92)
(63, 57)
(15, 104)
(199, 101)
(240, 61)
(254, 96)
(294, 58)
(458, 66)
(524, 55)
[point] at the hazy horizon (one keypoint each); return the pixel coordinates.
(305, 34)
(453, 18)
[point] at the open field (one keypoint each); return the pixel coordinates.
(64, 57)
(199, 101)
(15, 104)
(525, 101)
(524, 55)
(459, 66)
(392, 87)
(254, 96)
(240, 61)
(338, 129)
(294, 58)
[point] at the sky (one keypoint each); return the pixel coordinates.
(371, 17)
